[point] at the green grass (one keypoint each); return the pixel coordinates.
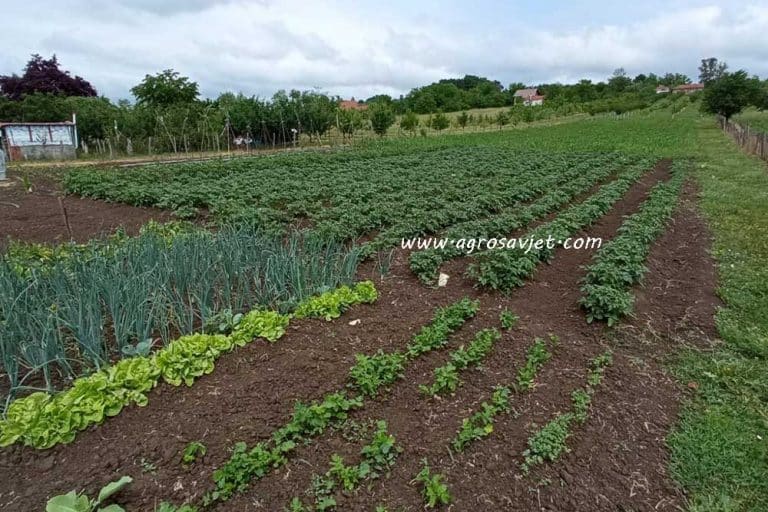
(649, 133)
(757, 119)
(720, 446)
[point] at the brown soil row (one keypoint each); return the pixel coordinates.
(37, 216)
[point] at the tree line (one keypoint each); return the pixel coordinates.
(168, 114)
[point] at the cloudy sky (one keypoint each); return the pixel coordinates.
(360, 48)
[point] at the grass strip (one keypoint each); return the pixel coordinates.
(719, 449)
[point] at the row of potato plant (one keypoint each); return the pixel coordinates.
(620, 264)
(426, 263)
(42, 420)
(26, 257)
(510, 268)
(370, 373)
(377, 458)
(447, 376)
(367, 377)
(536, 180)
(549, 442)
(343, 195)
(480, 424)
(73, 314)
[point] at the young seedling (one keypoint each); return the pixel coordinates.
(536, 357)
(447, 376)
(192, 452)
(434, 491)
(548, 443)
(508, 319)
(480, 424)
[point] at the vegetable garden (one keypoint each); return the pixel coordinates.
(289, 354)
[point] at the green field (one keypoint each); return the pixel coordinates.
(269, 264)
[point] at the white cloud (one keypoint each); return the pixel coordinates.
(258, 47)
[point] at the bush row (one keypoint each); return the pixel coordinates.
(530, 181)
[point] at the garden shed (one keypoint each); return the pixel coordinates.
(39, 141)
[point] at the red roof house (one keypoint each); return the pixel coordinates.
(352, 104)
(689, 88)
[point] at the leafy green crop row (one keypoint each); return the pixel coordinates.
(426, 263)
(308, 421)
(26, 257)
(549, 442)
(480, 424)
(505, 269)
(447, 376)
(72, 312)
(332, 305)
(42, 420)
(620, 264)
(370, 373)
(378, 457)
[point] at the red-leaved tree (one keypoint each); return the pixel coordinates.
(44, 76)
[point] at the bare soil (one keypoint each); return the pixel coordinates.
(37, 216)
(617, 460)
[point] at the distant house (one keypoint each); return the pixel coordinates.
(39, 141)
(662, 89)
(688, 88)
(352, 104)
(529, 96)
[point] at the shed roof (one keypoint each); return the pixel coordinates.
(62, 123)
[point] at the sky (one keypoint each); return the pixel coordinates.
(361, 48)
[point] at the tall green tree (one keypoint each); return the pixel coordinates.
(619, 81)
(349, 121)
(440, 121)
(409, 121)
(165, 89)
(711, 69)
(463, 120)
(730, 94)
(382, 117)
